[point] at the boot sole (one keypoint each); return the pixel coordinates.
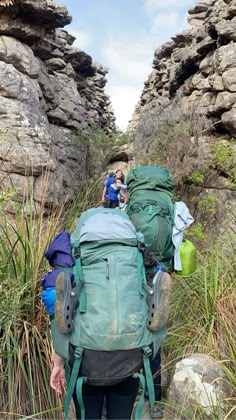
(159, 312)
(63, 312)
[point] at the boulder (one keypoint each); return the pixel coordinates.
(216, 83)
(25, 151)
(16, 85)
(224, 58)
(205, 65)
(228, 120)
(19, 55)
(225, 101)
(229, 79)
(198, 381)
(227, 29)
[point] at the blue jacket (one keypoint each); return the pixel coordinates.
(59, 253)
(112, 192)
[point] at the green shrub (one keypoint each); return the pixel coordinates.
(197, 177)
(224, 160)
(121, 139)
(223, 156)
(208, 204)
(196, 232)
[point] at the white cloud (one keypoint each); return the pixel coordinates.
(168, 24)
(130, 60)
(124, 99)
(83, 39)
(152, 6)
(165, 21)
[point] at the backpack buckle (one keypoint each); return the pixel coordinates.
(78, 352)
(147, 351)
(77, 252)
(141, 247)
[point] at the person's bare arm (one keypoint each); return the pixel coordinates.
(57, 378)
(104, 193)
(57, 360)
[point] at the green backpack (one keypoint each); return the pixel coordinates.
(151, 209)
(109, 340)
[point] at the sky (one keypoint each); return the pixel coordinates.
(122, 35)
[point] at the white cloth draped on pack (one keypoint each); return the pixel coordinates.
(182, 220)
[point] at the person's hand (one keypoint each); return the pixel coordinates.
(57, 378)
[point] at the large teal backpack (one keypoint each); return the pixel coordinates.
(110, 340)
(151, 209)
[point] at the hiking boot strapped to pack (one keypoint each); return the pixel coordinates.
(108, 339)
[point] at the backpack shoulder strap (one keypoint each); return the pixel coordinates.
(78, 274)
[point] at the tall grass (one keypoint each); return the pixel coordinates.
(25, 341)
(203, 317)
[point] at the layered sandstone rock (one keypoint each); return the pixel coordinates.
(194, 77)
(199, 66)
(49, 93)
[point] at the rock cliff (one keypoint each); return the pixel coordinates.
(199, 66)
(194, 77)
(49, 92)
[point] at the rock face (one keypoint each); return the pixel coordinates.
(199, 66)
(121, 157)
(49, 92)
(194, 79)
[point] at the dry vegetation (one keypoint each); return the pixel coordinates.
(169, 137)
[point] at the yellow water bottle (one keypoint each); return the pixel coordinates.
(188, 258)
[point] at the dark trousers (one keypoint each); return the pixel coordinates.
(110, 204)
(156, 372)
(120, 399)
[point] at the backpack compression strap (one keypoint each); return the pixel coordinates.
(139, 408)
(78, 273)
(148, 374)
(79, 396)
(146, 381)
(141, 268)
(141, 273)
(72, 382)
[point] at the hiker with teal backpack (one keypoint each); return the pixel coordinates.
(102, 330)
(152, 210)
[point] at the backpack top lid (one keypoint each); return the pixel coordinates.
(150, 178)
(99, 224)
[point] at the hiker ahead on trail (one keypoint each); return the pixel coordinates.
(122, 194)
(110, 190)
